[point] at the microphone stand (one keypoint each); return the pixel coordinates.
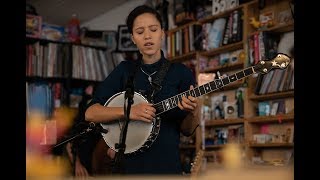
(121, 146)
(92, 127)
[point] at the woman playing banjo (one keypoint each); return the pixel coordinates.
(162, 156)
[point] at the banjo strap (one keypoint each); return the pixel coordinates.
(156, 84)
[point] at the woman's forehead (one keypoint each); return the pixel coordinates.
(146, 19)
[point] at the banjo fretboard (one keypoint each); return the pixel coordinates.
(172, 102)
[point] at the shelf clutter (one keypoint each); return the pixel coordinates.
(221, 40)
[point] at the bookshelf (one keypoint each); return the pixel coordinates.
(65, 63)
(252, 123)
(278, 123)
(56, 77)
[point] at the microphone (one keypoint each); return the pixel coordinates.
(92, 124)
(89, 126)
(99, 128)
(129, 88)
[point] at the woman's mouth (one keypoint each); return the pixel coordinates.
(148, 44)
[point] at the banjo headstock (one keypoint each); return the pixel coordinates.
(280, 61)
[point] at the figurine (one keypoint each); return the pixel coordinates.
(255, 23)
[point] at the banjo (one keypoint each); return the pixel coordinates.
(141, 135)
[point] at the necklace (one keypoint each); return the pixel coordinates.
(149, 75)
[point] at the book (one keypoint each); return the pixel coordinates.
(198, 37)
(274, 108)
(266, 82)
(256, 48)
(271, 41)
(227, 30)
(264, 108)
(258, 84)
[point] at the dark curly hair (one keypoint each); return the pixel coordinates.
(138, 11)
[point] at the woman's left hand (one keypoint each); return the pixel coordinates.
(188, 103)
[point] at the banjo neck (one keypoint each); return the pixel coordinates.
(280, 61)
(172, 102)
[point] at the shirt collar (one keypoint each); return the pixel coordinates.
(154, 66)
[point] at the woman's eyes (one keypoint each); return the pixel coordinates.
(152, 29)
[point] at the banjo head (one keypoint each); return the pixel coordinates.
(138, 132)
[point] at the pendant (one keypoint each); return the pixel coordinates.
(150, 79)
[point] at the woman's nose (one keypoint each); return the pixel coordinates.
(147, 35)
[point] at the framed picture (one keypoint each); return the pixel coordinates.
(33, 26)
(124, 40)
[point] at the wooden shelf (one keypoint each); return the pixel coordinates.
(187, 146)
(223, 49)
(214, 146)
(182, 26)
(267, 167)
(278, 95)
(226, 67)
(39, 79)
(91, 46)
(275, 145)
(30, 40)
(281, 28)
(77, 80)
(276, 118)
(218, 147)
(184, 57)
(225, 13)
(221, 122)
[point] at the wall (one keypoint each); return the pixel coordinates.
(113, 18)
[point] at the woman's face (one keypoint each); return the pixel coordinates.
(147, 34)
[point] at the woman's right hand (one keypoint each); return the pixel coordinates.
(143, 112)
